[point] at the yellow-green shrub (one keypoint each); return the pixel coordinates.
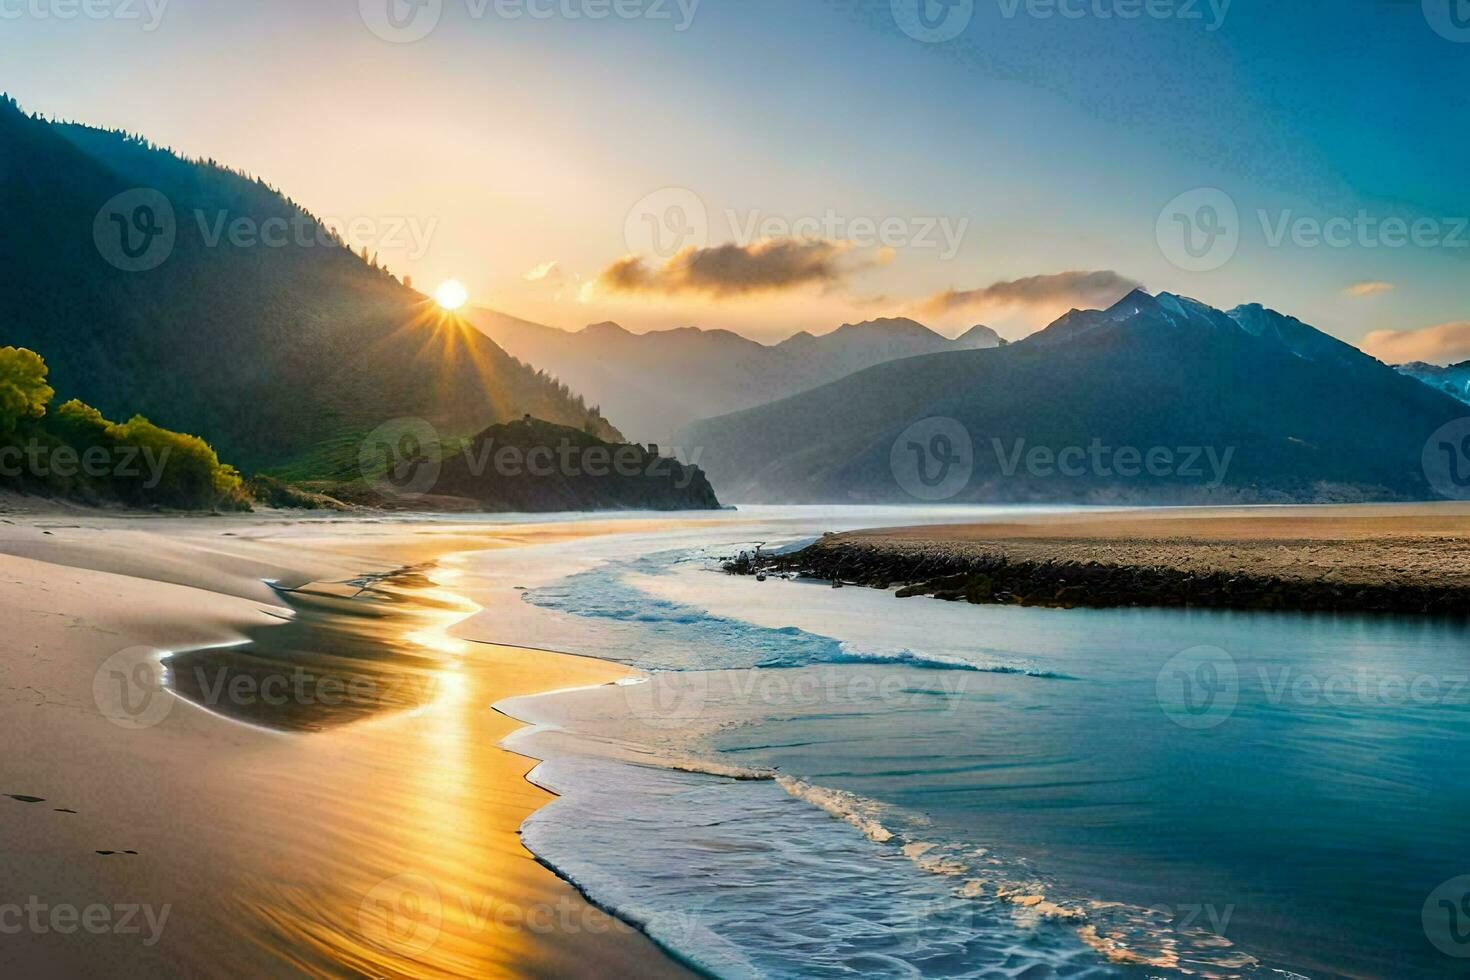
(24, 392)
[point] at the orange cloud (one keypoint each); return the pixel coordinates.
(1077, 288)
(1446, 343)
(773, 265)
(1370, 288)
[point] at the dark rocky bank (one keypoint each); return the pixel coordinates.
(999, 579)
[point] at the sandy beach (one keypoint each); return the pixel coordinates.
(268, 744)
(149, 835)
(1395, 557)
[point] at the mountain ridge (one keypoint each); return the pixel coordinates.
(1151, 372)
(651, 384)
(1452, 379)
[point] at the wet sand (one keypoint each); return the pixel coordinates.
(148, 834)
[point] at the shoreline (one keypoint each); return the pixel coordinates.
(1404, 559)
(408, 808)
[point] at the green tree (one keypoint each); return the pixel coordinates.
(24, 392)
(190, 473)
(79, 424)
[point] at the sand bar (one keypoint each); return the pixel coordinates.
(1400, 557)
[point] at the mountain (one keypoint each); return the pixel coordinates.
(537, 467)
(1453, 380)
(979, 337)
(228, 310)
(653, 384)
(1156, 399)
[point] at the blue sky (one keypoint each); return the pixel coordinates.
(1054, 140)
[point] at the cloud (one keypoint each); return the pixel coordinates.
(1370, 288)
(772, 265)
(546, 270)
(1446, 343)
(1063, 289)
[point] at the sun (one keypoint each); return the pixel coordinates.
(451, 294)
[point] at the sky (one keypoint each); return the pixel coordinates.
(770, 166)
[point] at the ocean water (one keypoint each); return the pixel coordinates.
(836, 782)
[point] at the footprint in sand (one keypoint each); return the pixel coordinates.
(37, 799)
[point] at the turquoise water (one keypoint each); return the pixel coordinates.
(1045, 792)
